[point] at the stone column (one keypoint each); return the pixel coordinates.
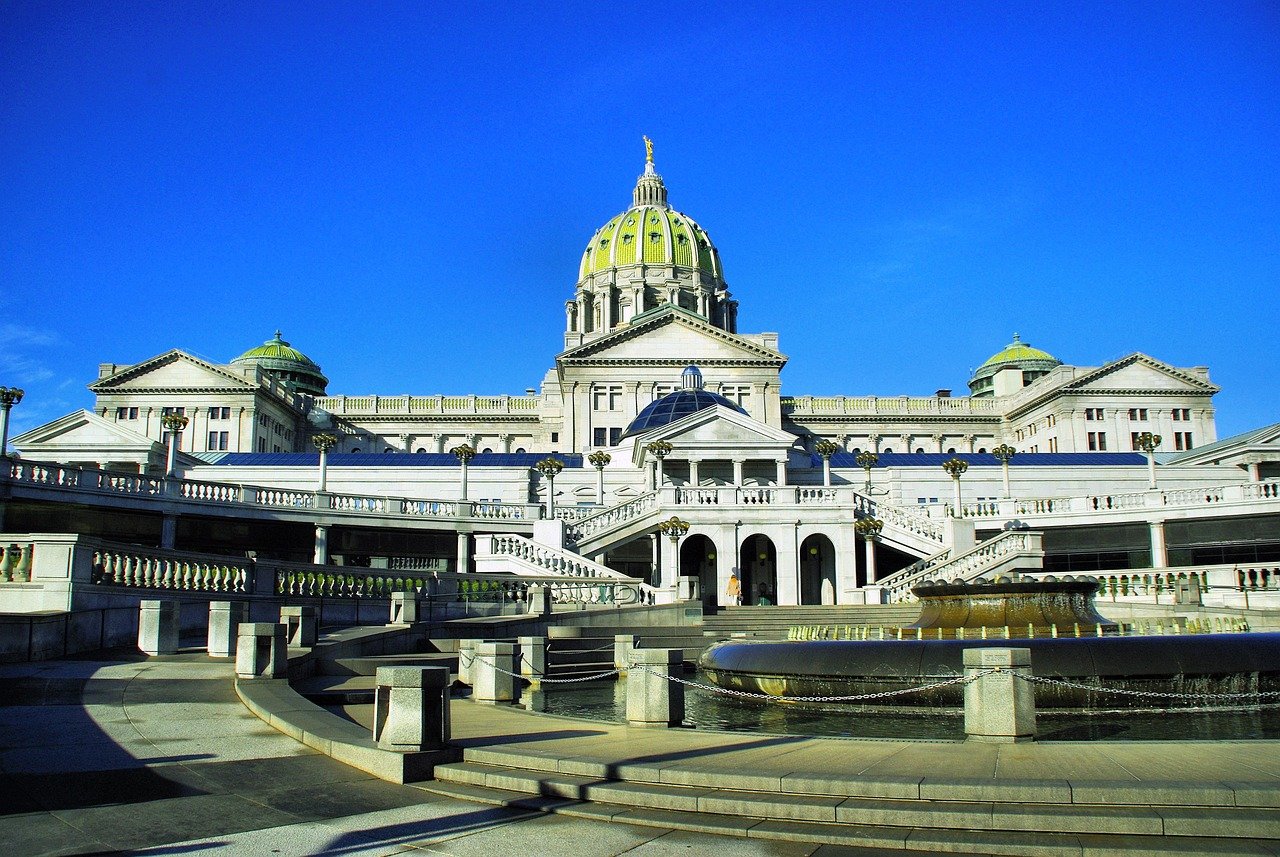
(1159, 550)
(999, 708)
(533, 660)
(492, 670)
(261, 651)
(300, 621)
(466, 661)
(158, 627)
(870, 553)
(652, 699)
(782, 472)
(224, 627)
(693, 472)
(462, 561)
(411, 708)
(738, 466)
(404, 608)
(623, 646)
(168, 531)
(321, 554)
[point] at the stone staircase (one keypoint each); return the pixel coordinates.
(773, 623)
(1011, 551)
(962, 816)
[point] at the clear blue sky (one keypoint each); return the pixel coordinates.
(405, 189)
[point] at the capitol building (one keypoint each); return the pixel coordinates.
(657, 406)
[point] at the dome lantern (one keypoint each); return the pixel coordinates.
(993, 377)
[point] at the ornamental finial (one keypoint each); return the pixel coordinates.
(648, 150)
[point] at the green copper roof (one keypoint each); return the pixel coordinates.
(652, 234)
(277, 349)
(1018, 353)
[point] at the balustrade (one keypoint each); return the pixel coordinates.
(139, 568)
(15, 562)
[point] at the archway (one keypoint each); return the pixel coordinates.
(817, 570)
(758, 570)
(698, 559)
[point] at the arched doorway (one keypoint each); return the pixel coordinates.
(758, 570)
(698, 559)
(817, 570)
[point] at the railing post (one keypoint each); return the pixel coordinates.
(999, 706)
(224, 624)
(652, 698)
(300, 620)
(404, 607)
(411, 708)
(492, 669)
(533, 660)
(261, 651)
(158, 627)
(539, 600)
(467, 661)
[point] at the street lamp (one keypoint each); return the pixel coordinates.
(659, 449)
(599, 460)
(955, 467)
(1004, 452)
(826, 449)
(867, 460)
(1147, 442)
(324, 443)
(174, 424)
(869, 529)
(550, 468)
(464, 453)
(673, 528)
(9, 396)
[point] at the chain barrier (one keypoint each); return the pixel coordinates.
(541, 677)
(1147, 694)
(765, 697)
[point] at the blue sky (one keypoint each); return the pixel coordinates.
(405, 189)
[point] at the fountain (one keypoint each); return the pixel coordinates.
(1055, 618)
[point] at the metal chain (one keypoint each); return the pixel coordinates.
(963, 679)
(1146, 694)
(541, 677)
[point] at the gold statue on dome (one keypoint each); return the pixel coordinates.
(648, 150)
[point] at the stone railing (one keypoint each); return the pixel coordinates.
(500, 552)
(1158, 585)
(613, 516)
(803, 406)
(575, 513)
(15, 561)
(1123, 502)
(156, 568)
(311, 581)
(1007, 549)
(446, 405)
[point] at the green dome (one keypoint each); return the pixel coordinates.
(1033, 362)
(287, 363)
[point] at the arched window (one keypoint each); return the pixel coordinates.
(886, 452)
(951, 450)
(919, 450)
(982, 450)
(388, 449)
(420, 450)
(520, 450)
(486, 450)
(355, 451)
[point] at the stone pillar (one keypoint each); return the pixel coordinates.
(623, 646)
(959, 534)
(999, 708)
(540, 600)
(321, 556)
(1159, 551)
(224, 623)
(693, 473)
(168, 531)
(492, 671)
(782, 472)
(870, 554)
(261, 650)
(158, 627)
(668, 562)
(533, 660)
(300, 622)
(738, 465)
(411, 708)
(466, 661)
(652, 699)
(462, 564)
(687, 588)
(826, 471)
(404, 607)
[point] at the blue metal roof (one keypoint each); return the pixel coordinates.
(390, 459)
(980, 459)
(673, 406)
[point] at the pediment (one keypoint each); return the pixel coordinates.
(174, 370)
(718, 431)
(82, 430)
(1138, 372)
(675, 337)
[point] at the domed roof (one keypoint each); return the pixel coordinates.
(1019, 354)
(650, 232)
(286, 362)
(674, 406)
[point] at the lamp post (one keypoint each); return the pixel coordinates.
(9, 396)
(673, 528)
(659, 449)
(867, 460)
(599, 460)
(1004, 452)
(1147, 442)
(955, 467)
(550, 468)
(324, 443)
(826, 449)
(464, 453)
(174, 424)
(869, 529)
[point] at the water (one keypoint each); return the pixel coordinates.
(709, 710)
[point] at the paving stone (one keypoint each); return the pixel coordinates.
(801, 807)
(163, 821)
(1077, 819)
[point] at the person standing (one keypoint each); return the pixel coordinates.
(734, 589)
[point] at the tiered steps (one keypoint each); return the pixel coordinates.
(964, 817)
(773, 623)
(577, 652)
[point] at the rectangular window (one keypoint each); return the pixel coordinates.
(1093, 414)
(1097, 441)
(615, 436)
(218, 440)
(599, 436)
(262, 444)
(126, 413)
(219, 413)
(1051, 420)
(1182, 414)
(182, 412)
(1138, 414)
(1053, 444)
(1182, 440)
(555, 437)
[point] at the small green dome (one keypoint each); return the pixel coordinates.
(287, 363)
(1033, 362)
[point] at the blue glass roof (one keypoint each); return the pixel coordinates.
(672, 407)
(979, 459)
(389, 459)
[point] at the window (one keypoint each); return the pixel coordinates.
(1133, 439)
(739, 394)
(1094, 413)
(1051, 420)
(599, 436)
(1182, 414)
(607, 398)
(1138, 415)
(219, 413)
(1053, 444)
(126, 413)
(218, 440)
(1182, 440)
(615, 436)
(262, 444)
(555, 437)
(182, 412)
(1097, 441)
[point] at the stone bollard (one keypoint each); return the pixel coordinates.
(261, 651)
(623, 646)
(301, 622)
(404, 608)
(224, 620)
(411, 708)
(533, 660)
(687, 588)
(539, 600)
(466, 661)
(158, 627)
(653, 700)
(999, 708)
(492, 671)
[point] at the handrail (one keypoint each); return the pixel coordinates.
(966, 565)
